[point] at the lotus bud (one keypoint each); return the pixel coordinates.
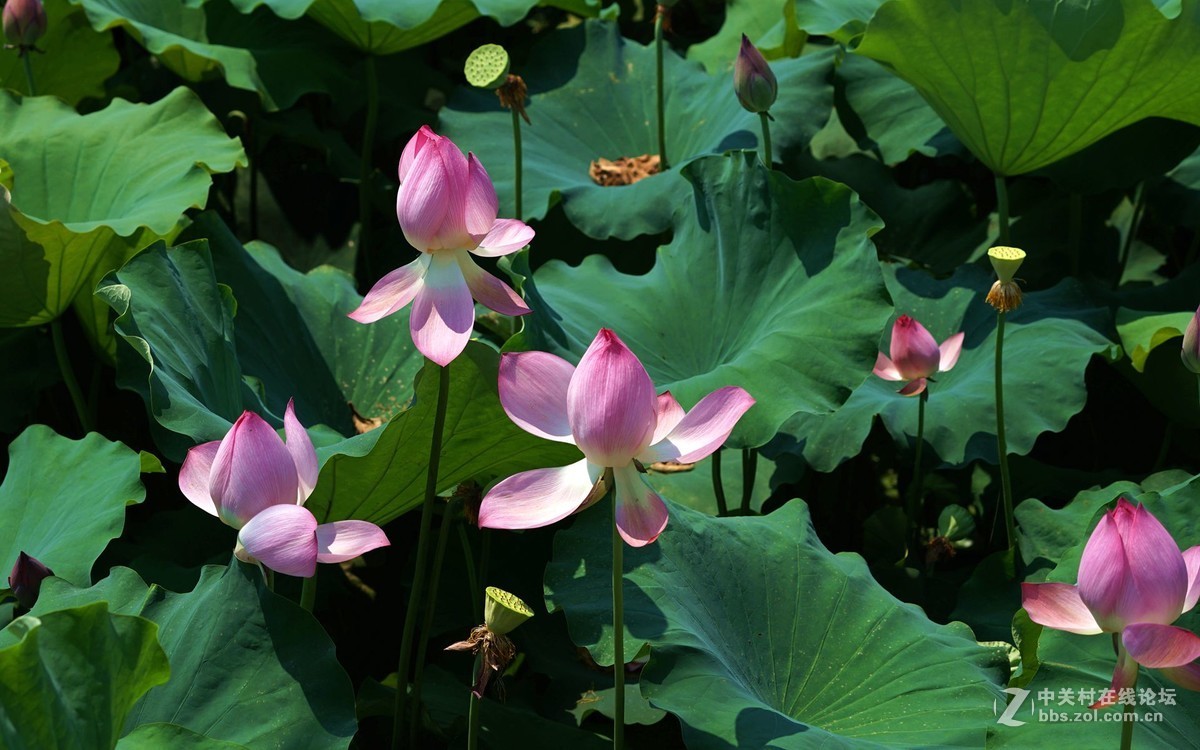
(753, 81)
(26, 579)
(24, 22)
(1191, 344)
(1005, 294)
(503, 612)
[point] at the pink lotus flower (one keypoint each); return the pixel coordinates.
(608, 408)
(753, 80)
(257, 483)
(24, 22)
(1191, 344)
(1133, 582)
(916, 356)
(447, 208)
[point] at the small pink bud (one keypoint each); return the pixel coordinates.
(26, 579)
(1191, 344)
(24, 22)
(753, 81)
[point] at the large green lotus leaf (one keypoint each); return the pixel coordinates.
(1074, 662)
(247, 666)
(593, 95)
(1024, 83)
(292, 339)
(64, 500)
(1041, 391)
(694, 488)
(88, 191)
(480, 443)
(259, 52)
(1142, 332)
(769, 24)
(162, 735)
(762, 272)
(383, 27)
(76, 63)
(843, 20)
(74, 676)
(891, 112)
(761, 637)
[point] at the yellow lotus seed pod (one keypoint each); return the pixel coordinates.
(487, 66)
(1006, 261)
(503, 612)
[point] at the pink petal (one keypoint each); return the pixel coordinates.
(393, 292)
(481, 204)
(537, 498)
(1191, 559)
(443, 313)
(914, 351)
(641, 513)
(914, 388)
(506, 236)
(251, 471)
(431, 204)
(1124, 676)
(1161, 645)
(1058, 606)
(284, 538)
(669, 415)
(704, 429)
(419, 140)
(950, 349)
(491, 292)
(1187, 676)
(303, 454)
(611, 403)
(346, 540)
(194, 475)
(533, 392)
(1132, 570)
(885, 369)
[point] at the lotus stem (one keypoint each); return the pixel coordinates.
(28, 72)
(473, 591)
(914, 490)
(435, 576)
(516, 118)
(308, 592)
(364, 181)
(473, 713)
(418, 587)
(749, 471)
(663, 165)
(68, 375)
(1002, 209)
(718, 485)
(1001, 443)
(1127, 720)
(766, 132)
(618, 596)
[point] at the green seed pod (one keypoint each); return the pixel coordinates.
(503, 612)
(487, 66)
(1006, 261)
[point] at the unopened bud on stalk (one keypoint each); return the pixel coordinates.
(26, 579)
(1191, 344)
(24, 23)
(753, 80)
(1005, 294)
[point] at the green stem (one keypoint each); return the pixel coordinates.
(1127, 719)
(516, 117)
(270, 576)
(473, 713)
(1002, 208)
(435, 577)
(618, 596)
(308, 592)
(658, 63)
(914, 490)
(364, 177)
(418, 587)
(485, 556)
(1139, 206)
(718, 486)
(25, 55)
(68, 375)
(766, 131)
(1001, 442)
(749, 471)
(473, 591)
